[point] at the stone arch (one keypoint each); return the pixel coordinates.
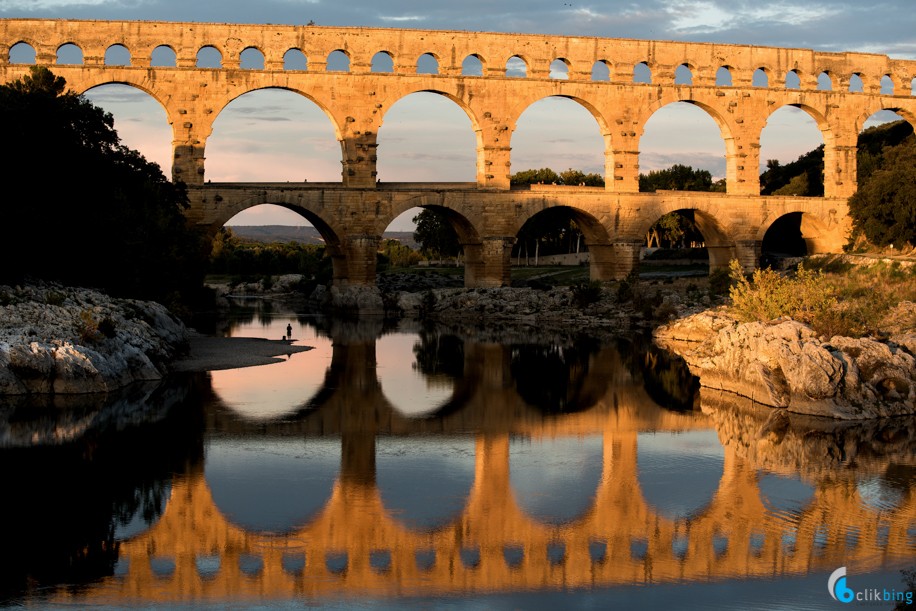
(473, 63)
(824, 81)
(906, 114)
(69, 54)
(724, 76)
(209, 56)
(22, 50)
(855, 83)
(815, 231)
(822, 124)
(382, 63)
(761, 77)
(683, 75)
(517, 67)
(117, 55)
(642, 73)
(887, 85)
(338, 60)
(793, 79)
(465, 224)
(251, 58)
(334, 122)
(163, 55)
(560, 69)
(718, 242)
(295, 59)
(142, 86)
(428, 63)
(601, 70)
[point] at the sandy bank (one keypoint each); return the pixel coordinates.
(212, 353)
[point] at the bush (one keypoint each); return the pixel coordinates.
(770, 295)
(586, 293)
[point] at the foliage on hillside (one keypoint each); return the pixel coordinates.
(802, 177)
(92, 212)
(236, 257)
(679, 178)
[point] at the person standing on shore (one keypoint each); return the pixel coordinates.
(289, 331)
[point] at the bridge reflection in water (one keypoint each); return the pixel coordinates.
(358, 542)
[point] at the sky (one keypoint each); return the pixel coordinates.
(279, 136)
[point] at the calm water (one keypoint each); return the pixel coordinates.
(443, 468)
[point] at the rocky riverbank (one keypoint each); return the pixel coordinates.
(784, 364)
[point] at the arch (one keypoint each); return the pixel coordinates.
(793, 129)
(465, 226)
(425, 482)
(141, 119)
(683, 75)
(69, 54)
(472, 65)
(428, 63)
(555, 480)
(782, 495)
(716, 239)
(516, 67)
(679, 473)
(913, 86)
(656, 145)
(558, 379)
(570, 231)
(294, 59)
(601, 70)
(793, 80)
(338, 61)
(251, 58)
(855, 83)
(292, 146)
(409, 390)
(559, 69)
(248, 476)
(799, 229)
(209, 57)
(434, 150)
(382, 62)
(887, 85)
(163, 56)
(761, 78)
(540, 121)
(22, 53)
(642, 73)
(824, 81)
(117, 55)
(724, 76)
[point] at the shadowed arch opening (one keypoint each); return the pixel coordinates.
(382, 62)
(601, 71)
(427, 64)
(273, 135)
(209, 57)
(683, 75)
(249, 480)
(558, 379)
(559, 69)
(425, 482)
(679, 473)
(140, 119)
(442, 237)
(516, 67)
(562, 236)
(695, 237)
(427, 136)
(163, 56)
(251, 59)
(69, 55)
(294, 59)
(117, 55)
(555, 480)
(792, 152)
(797, 234)
(22, 53)
(472, 65)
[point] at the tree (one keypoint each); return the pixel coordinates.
(95, 212)
(676, 178)
(884, 207)
(435, 234)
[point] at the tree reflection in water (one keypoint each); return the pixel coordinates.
(555, 378)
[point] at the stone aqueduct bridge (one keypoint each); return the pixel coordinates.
(352, 214)
(356, 546)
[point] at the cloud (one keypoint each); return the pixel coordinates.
(401, 18)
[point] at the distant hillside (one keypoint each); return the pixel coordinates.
(302, 235)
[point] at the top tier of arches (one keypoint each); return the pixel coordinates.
(313, 48)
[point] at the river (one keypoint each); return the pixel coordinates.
(409, 466)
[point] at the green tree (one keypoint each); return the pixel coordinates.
(95, 213)
(676, 178)
(435, 234)
(884, 207)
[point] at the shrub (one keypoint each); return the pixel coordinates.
(770, 295)
(586, 293)
(88, 327)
